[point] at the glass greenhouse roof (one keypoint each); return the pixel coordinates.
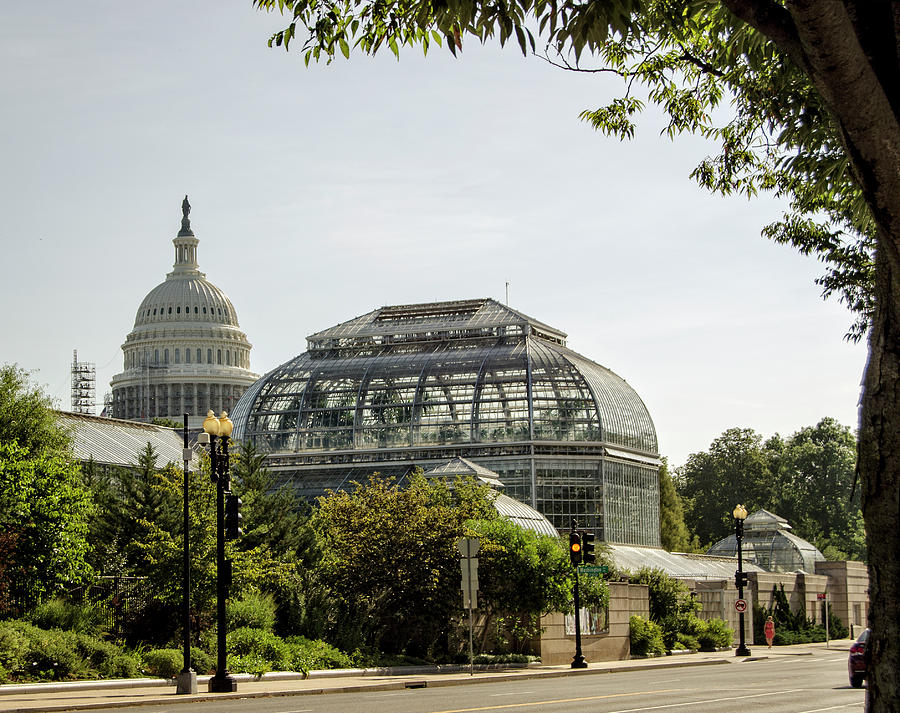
(767, 544)
(418, 385)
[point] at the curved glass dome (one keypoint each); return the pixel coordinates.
(767, 543)
(474, 378)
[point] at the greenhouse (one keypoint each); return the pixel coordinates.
(768, 544)
(418, 385)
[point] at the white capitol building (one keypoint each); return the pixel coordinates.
(186, 353)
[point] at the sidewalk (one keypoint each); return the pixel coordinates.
(94, 695)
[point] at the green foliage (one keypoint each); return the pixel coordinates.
(715, 634)
(26, 415)
(736, 463)
(793, 627)
(57, 613)
(253, 610)
(808, 479)
(41, 500)
(164, 663)
(306, 655)
(646, 637)
(29, 653)
(251, 642)
(673, 533)
(671, 606)
(391, 562)
(523, 575)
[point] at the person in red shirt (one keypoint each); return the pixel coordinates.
(770, 631)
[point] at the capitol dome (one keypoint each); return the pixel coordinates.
(418, 385)
(186, 352)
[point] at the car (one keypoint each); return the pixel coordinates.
(857, 664)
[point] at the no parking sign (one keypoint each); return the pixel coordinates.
(740, 605)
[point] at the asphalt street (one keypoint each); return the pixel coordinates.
(811, 683)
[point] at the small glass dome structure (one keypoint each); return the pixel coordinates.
(521, 514)
(768, 544)
(417, 385)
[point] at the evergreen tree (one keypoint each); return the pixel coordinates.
(674, 534)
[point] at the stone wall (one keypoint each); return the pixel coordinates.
(848, 592)
(614, 644)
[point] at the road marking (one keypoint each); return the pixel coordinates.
(624, 695)
(558, 700)
(832, 708)
(514, 693)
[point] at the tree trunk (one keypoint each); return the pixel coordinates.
(879, 471)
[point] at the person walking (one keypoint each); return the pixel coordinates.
(770, 631)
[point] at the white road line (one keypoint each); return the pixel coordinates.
(514, 693)
(832, 708)
(707, 700)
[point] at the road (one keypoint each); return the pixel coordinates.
(782, 684)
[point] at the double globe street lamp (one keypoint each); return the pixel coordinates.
(216, 432)
(740, 578)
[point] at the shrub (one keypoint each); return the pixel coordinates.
(251, 663)
(57, 613)
(306, 655)
(253, 610)
(646, 638)
(686, 641)
(164, 663)
(202, 662)
(715, 634)
(247, 641)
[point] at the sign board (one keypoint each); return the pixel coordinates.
(468, 546)
(820, 596)
(740, 605)
(593, 569)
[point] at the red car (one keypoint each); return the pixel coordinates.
(858, 663)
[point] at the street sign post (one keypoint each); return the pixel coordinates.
(593, 569)
(468, 547)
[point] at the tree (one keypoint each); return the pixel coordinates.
(673, 533)
(734, 470)
(522, 575)
(815, 475)
(390, 559)
(26, 414)
(43, 508)
(815, 109)
(43, 504)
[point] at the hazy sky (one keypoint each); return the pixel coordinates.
(319, 194)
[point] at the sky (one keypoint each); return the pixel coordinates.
(321, 193)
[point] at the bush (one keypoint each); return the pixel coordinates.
(59, 614)
(29, 653)
(202, 662)
(247, 641)
(164, 663)
(646, 638)
(715, 634)
(306, 655)
(251, 663)
(687, 642)
(253, 610)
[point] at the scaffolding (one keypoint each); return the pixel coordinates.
(84, 381)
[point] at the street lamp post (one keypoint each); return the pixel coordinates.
(187, 679)
(740, 514)
(217, 432)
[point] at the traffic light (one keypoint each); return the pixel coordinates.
(575, 548)
(233, 517)
(741, 579)
(587, 548)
